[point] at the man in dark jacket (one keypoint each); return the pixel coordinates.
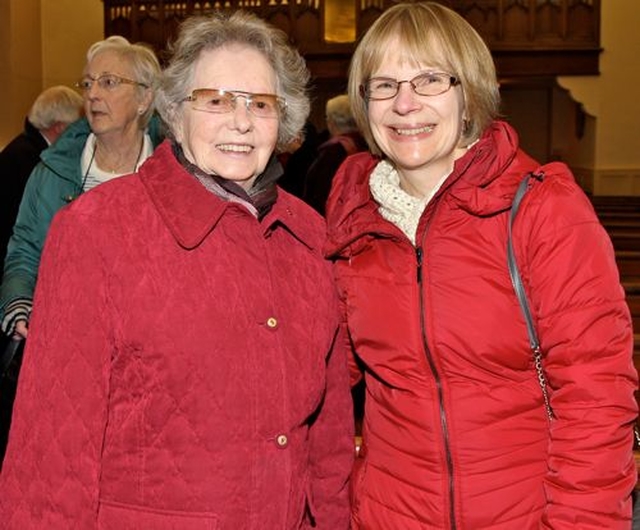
(51, 112)
(344, 140)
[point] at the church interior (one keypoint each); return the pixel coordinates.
(568, 70)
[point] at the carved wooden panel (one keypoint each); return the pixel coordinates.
(527, 37)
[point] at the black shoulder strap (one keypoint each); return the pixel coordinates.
(518, 287)
(516, 279)
(8, 354)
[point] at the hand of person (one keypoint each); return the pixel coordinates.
(21, 331)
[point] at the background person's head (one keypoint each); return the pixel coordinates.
(233, 133)
(118, 84)
(54, 109)
(339, 116)
(429, 34)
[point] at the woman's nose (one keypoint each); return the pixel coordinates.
(406, 99)
(241, 115)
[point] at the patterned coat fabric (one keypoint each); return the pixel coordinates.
(184, 368)
(54, 182)
(455, 430)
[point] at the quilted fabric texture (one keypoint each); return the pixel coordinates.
(183, 369)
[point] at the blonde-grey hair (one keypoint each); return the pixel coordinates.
(438, 36)
(199, 34)
(141, 58)
(56, 104)
(338, 110)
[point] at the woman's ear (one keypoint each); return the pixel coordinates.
(175, 126)
(146, 101)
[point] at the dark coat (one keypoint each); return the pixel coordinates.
(320, 174)
(17, 160)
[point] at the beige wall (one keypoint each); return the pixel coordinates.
(69, 27)
(20, 62)
(612, 99)
(42, 43)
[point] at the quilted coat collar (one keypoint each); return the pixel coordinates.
(191, 212)
(482, 183)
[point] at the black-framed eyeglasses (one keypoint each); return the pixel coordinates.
(220, 101)
(429, 84)
(106, 82)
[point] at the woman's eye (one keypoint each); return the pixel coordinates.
(383, 85)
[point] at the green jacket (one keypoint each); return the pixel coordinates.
(54, 182)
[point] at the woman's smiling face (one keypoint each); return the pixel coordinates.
(235, 145)
(419, 134)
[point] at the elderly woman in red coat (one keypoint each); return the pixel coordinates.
(456, 432)
(185, 367)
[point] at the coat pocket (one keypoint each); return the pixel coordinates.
(120, 516)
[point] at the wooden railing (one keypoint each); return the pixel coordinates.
(527, 37)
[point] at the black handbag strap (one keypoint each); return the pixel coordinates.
(8, 354)
(518, 287)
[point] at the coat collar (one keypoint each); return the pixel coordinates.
(191, 212)
(482, 183)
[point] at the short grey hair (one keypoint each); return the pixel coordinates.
(200, 34)
(143, 61)
(56, 104)
(338, 110)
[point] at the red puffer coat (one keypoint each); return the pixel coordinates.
(456, 435)
(183, 369)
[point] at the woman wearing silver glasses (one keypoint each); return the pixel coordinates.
(456, 434)
(184, 366)
(115, 138)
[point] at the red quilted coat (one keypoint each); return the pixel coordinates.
(455, 431)
(183, 369)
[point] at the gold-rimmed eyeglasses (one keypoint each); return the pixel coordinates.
(106, 82)
(429, 84)
(220, 101)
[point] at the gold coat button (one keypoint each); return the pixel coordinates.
(282, 440)
(272, 322)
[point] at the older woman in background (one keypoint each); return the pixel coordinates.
(186, 325)
(118, 85)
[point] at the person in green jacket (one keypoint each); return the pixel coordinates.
(117, 135)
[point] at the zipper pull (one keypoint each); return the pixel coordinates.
(419, 260)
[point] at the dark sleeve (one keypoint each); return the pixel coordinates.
(320, 175)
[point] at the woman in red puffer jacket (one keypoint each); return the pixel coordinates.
(456, 433)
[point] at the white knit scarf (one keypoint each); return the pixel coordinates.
(396, 205)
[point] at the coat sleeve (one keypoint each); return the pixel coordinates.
(37, 208)
(586, 336)
(52, 465)
(332, 445)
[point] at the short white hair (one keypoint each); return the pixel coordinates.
(57, 104)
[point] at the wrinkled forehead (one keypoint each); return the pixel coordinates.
(409, 50)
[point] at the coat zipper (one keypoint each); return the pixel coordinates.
(436, 376)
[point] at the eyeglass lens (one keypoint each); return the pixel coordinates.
(105, 82)
(430, 84)
(221, 101)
